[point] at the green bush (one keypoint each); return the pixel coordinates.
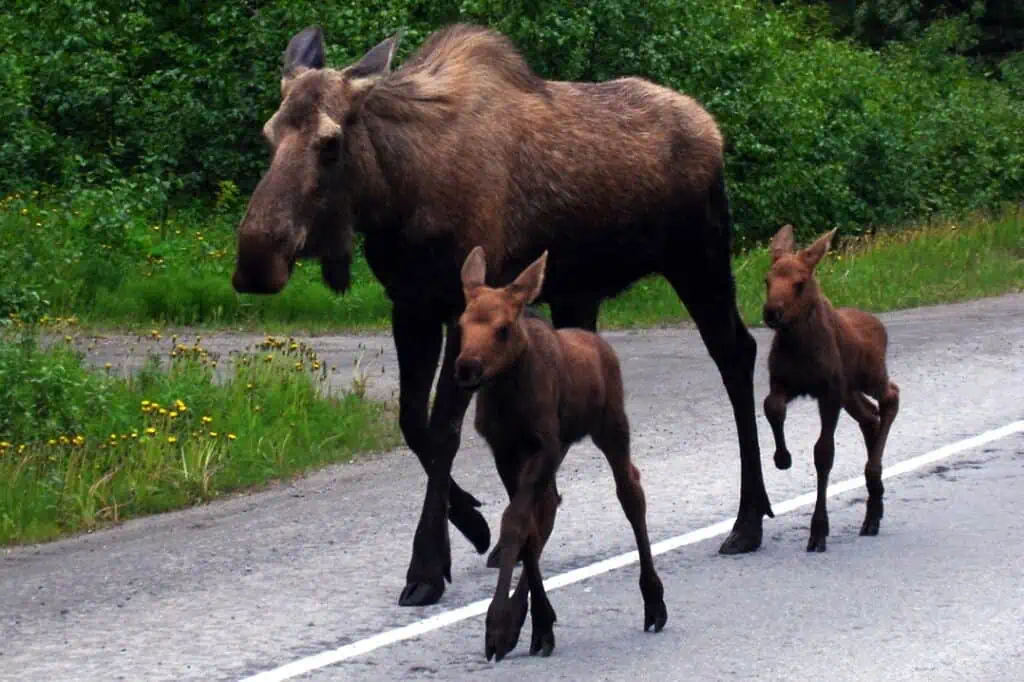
(820, 131)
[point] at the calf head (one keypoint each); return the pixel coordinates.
(302, 207)
(791, 286)
(491, 326)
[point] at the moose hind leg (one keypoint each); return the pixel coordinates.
(888, 407)
(612, 439)
(708, 291)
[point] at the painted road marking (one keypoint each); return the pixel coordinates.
(478, 608)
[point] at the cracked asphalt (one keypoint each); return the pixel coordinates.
(256, 581)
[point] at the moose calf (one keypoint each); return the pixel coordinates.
(541, 390)
(835, 356)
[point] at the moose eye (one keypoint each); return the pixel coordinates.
(502, 333)
(330, 150)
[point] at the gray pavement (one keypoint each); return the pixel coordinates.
(256, 581)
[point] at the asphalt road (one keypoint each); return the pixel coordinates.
(255, 582)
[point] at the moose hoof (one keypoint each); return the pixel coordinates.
(816, 544)
(542, 643)
(655, 615)
(870, 527)
(422, 593)
(743, 538)
(783, 460)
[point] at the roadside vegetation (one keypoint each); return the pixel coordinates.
(81, 448)
(132, 141)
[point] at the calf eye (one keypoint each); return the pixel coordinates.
(799, 288)
(502, 333)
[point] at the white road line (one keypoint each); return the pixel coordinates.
(477, 608)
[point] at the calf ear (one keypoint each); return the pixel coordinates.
(305, 51)
(530, 281)
(816, 251)
(474, 270)
(782, 242)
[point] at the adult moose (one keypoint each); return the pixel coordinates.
(465, 145)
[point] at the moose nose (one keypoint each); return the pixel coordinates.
(772, 316)
(468, 373)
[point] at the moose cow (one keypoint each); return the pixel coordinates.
(465, 145)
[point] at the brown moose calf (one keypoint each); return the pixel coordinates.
(541, 390)
(835, 356)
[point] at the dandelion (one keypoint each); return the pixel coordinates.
(107, 366)
(268, 358)
(135, 434)
(145, 404)
(231, 436)
(213, 434)
(151, 431)
(172, 414)
(172, 439)
(206, 420)
(163, 410)
(51, 442)
(113, 436)
(249, 386)
(4, 445)
(257, 409)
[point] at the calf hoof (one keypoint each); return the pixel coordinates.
(656, 615)
(502, 634)
(494, 558)
(870, 527)
(542, 642)
(816, 544)
(783, 460)
(422, 593)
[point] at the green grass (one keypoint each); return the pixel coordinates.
(81, 448)
(112, 269)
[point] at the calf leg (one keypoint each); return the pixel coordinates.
(505, 616)
(888, 407)
(612, 439)
(549, 506)
(775, 410)
(542, 640)
(824, 455)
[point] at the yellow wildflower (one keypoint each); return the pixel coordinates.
(172, 414)
(51, 442)
(206, 420)
(150, 431)
(231, 436)
(172, 439)
(4, 445)
(213, 434)
(163, 410)
(145, 403)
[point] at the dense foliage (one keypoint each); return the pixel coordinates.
(821, 131)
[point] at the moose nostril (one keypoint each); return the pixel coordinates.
(771, 315)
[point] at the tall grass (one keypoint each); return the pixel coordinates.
(80, 448)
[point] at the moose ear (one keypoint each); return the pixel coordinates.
(530, 281)
(782, 242)
(377, 62)
(305, 51)
(816, 251)
(474, 270)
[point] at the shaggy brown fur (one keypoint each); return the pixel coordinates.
(465, 145)
(836, 356)
(540, 391)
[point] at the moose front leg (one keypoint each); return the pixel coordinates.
(775, 411)
(824, 455)
(418, 343)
